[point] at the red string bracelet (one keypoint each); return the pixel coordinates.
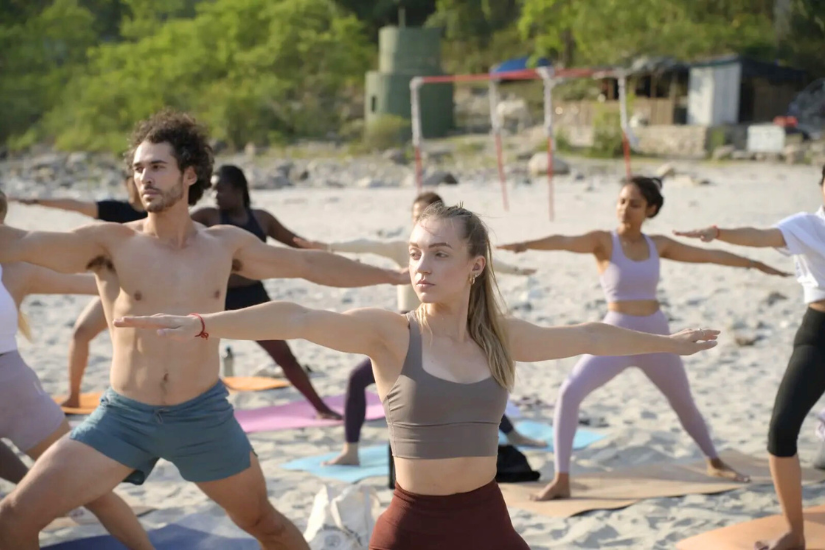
(203, 334)
(718, 231)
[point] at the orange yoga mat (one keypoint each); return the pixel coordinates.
(742, 535)
(88, 403)
(253, 383)
(626, 486)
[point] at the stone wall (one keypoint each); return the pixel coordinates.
(660, 140)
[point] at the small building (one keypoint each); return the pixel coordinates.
(404, 53)
(740, 90)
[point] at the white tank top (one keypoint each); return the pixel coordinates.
(8, 319)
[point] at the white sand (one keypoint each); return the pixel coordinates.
(734, 387)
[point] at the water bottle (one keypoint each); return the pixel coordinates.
(228, 363)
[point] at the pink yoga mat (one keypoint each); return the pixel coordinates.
(299, 414)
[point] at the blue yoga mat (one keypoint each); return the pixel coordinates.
(542, 431)
(171, 537)
(375, 462)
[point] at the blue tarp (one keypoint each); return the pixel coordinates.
(518, 64)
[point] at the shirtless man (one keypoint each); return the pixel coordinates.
(165, 400)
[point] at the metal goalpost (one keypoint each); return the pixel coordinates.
(550, 77)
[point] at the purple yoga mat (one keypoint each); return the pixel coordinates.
(299, 414)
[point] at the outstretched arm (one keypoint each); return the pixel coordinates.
(589, 243)
(69, 252)
(742, 236)
(674, 250)
(362, 331)
(277, 231)
(508, 269)
(256, 260)
(41, 280)
(531, 342)
(81, 207)
(397, 251)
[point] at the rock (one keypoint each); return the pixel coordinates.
(436, 155)
(723, 152)
(666, 171)
(744, 340)
(538, 165)
(438, 177)
(774, 297)
(396, 156)
(795, 154)
(689, 181)
(369, 183)
(276, 181)
(303, 175)
(285, 168)
(77, 159)
(743, 155)
(218, 146)
(47, 160)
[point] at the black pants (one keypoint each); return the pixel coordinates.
(801, 387)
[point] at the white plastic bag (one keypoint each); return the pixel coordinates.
(341, 519)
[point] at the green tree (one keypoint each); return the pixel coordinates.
(253, 70)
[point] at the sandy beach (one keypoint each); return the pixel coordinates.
(734, 386)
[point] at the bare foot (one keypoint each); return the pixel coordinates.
(558, 488)
(329, 414)
(72, 401)
(521, 440)
(788, 541)
(348, 457)
(717, 468)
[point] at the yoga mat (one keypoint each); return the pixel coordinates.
(82, 516)
(544, 432)
(171, 537)
(743, 535)
(623, 487)
(299, 414)
(88, 403)
(375, 462)
(253, 383)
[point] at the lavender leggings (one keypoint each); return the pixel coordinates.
(665, 370)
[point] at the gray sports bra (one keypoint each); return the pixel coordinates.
(430, 417)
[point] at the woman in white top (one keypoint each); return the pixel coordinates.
(29, 418)
(802, 236)
(361, 377)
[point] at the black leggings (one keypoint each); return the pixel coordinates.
(355, 405)
(801, 387)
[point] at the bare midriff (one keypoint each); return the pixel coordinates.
(637, 308)
(444, 476)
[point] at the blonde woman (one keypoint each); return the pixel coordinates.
(443, 373)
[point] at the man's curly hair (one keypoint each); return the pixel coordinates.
(189, 141)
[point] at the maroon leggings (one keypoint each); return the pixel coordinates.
(477, 520)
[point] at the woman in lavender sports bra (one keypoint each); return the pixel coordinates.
(443, 374)
(628, 262)
(29, 418)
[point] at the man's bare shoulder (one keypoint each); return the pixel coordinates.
(228, 233)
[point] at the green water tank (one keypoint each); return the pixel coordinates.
(404, 53)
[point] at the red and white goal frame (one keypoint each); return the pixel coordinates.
(550, 77)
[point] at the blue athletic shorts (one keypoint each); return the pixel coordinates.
(200, 436)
